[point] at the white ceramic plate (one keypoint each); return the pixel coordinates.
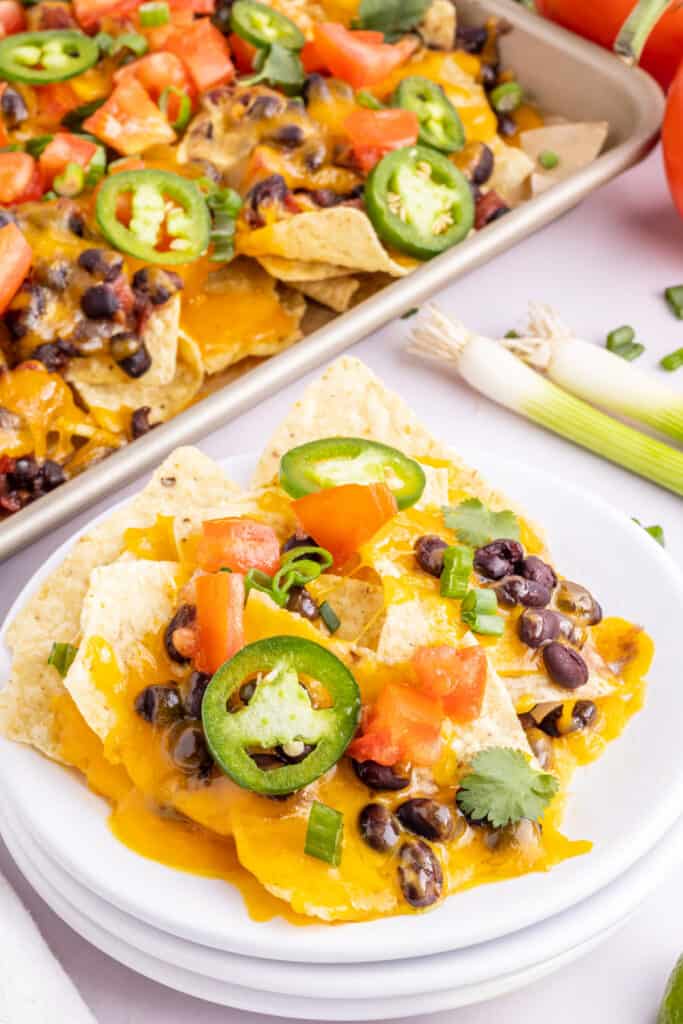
(520, 952)
(49, 883)
(624, 803)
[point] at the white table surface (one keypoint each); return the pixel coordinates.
(604, 264)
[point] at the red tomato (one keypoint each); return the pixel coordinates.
(155, 72)
(89, 13)
(374, 133)
(54, 101)
(672, 140)
(129, 121)
(602, 21)
(15, 262)
(456, 676)
(62, 150)
(243, 53)
(204, 51)
(220, 618)
(359, 58)
(403, 725)
(343, 518)
(238, 544)
(12, 18)
(17, 172)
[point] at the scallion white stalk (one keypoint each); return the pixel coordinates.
(596, 374)
(497, 373)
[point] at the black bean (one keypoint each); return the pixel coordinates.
(419, 873)
(498, 558)
(26, 470)
(429, 553)
(555, 723)
(488, 208)
(538, 627)
(565, 666)
(196, 688)
(578, 602)
(507, 126)
(76, 223)
(379, 776)
(101, 263)
(472, 39)
(221, 16)
(269, 190)
(291, 136)
(476, 161)
(265, 107)
(301, 602)
(541, 747)
(524, 835)
(155, 285)
(323, 197)
(188, 749)
(139, 422)
(489, 76)
(7, 217)
(533, 568)
(299, 540)
(51, 475)
(514, 590)
(137, 364)
(574, 634)
(427, 818)
(57, 275)
(54, 355)
(100, 302)
(315, 87)
(14, 109)
(378, 827)
(314, 157)
(184, 617)
(159, 705)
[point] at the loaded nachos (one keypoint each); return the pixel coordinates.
(352, 690)
(182, 181)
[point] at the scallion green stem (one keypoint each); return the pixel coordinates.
(324, 833)
(501, 376)
(636, 29)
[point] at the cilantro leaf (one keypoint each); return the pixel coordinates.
(280, 68)
(392, 17)
(476, 525)
(502, 788)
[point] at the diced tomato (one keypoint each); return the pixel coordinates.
(220, 618)
(204, 51)
(15, 263)
(17, 172)
(374, 133)
(343, 518)
(155, 72)
(312, 59)
(54, 101)
(238, 544)
(12, 18)
(243, 53)
(129, 121)
(49, 15)
(456, 676)
(403, 725)
(359, 58)
(62, 150)
(89, 13)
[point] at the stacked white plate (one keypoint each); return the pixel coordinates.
(194, 933)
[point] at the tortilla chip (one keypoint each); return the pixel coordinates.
(341, 235)
(269, 505)
(576, 145)
(102, 384)
(512, 171)
(299, 270)
(161, 341)
(187, 478)
(336, 293)
(358, 604)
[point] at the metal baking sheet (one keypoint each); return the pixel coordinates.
(566, 76)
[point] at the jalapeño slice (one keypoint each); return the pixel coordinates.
(39, 58)
(333, 461)
(440, 124)
(186, 224)
(279, 714)
(263, 27)
(419, 202)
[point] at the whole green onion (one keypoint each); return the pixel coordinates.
(494, 371)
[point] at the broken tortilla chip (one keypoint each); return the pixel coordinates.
(299, 270)
(576, 145)
(336, 293)
(341, 235)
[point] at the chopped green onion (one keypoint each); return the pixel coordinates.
(364, 98)
(674, 296)
(656, 532)
(548, 159)
(599, 377)
(225, 205)
(37, 144)
(506, 97)
(132, 41)
(410, 312)
(105, 42)
(621, 342)
(300, 566)
(478, 611)
(495, 372)
(324, 833)
(329, 617)
(673, 361)
(184, 107)
(97, 167)
(61, 657)
(512, 334)
(458, 563)
(71, 181)
(154, 13)
(257, 580)
(49, 196)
